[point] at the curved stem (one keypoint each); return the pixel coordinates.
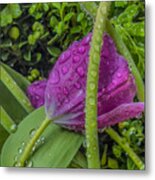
(125, 146)
(92, 86)
(31, 143)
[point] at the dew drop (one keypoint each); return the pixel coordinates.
(64, 69)
(91, 101)
(55, 77)
(17, 164)
(81, 49)
(42, 140)
(93, 73)
(76, 59)
(13, 128)
(118, 75)
(20, 150)
(65, 91)
(80, 71)
(29, 164)
(92, 86)
(77, 85)
(23, 144)
(66, 55)
(16, 158)
(32, 132)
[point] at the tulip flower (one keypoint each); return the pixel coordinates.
(66, 87)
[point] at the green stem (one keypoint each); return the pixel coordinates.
(125, 146)
(31, 143)
(92, 87)
(126, 53)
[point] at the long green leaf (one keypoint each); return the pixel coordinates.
(13, 104)
(8, 81)
(57, 151)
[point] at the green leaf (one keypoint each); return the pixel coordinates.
(17, 77)
(54, 51)
(12, 88)
(10, 12)
(75, 30)
(112, 163)
(57, 151)
(7, 122)
(80, 17)
(3, 136)
(68, 16)
(15, 90)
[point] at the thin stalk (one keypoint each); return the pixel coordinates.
(125, 146)
(27, 151)
(92, 87)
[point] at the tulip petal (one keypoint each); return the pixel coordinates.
(36, 93)
(121, 113)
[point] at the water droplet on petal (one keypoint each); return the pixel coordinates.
(64, 69)
(65, 91)
(66, 55)
(118, 75)
(76, 59)
(55, 77)
(80, 71)
(77, 85)
(81, 49)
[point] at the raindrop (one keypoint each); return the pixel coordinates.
(55, 77)
(42, 140)
(17, 164)
(29, 164)
(93, 73)
(66, 55)
(32, 132)
(80, 71)
(65, 91)
(118, 75)
(64, 69)
(23, 144)
(92, 86)
(77, 85)
(81, 49)
(76, 59)
(20, 150)
(91, 101)
(16, 158)
(13, 128)
(33, 149)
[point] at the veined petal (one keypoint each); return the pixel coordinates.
(121, 113)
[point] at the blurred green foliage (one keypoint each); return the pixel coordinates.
(34, 35)
(128, 18)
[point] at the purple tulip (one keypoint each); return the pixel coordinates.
(36, 93)
(66, 87)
